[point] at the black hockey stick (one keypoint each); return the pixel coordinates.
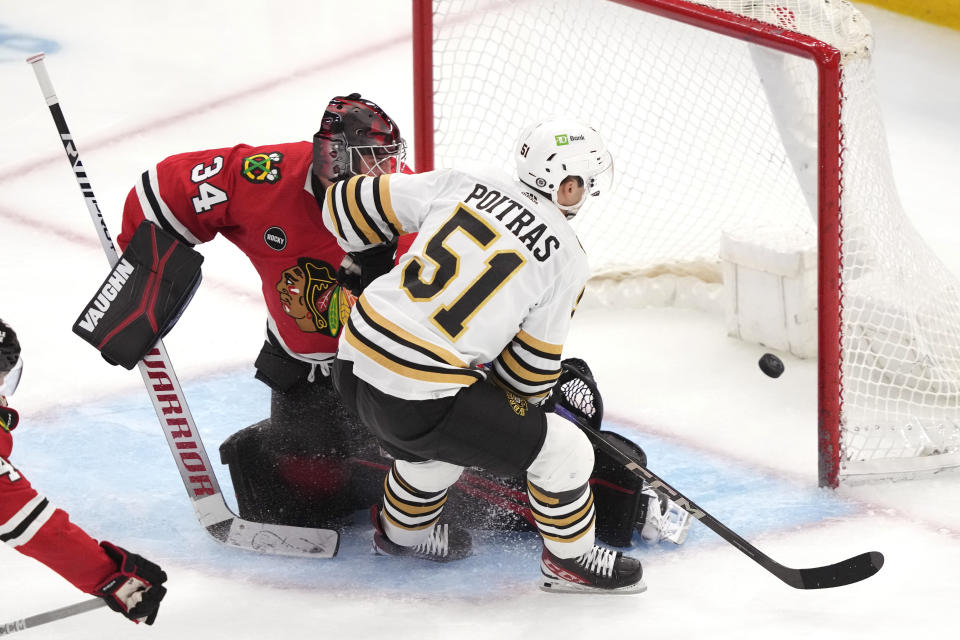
(51, 616)
(174, 415)
(571, 407)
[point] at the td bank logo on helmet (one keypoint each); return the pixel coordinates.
(564, 139)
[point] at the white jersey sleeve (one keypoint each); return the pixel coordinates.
(363, 211)
(530, 364)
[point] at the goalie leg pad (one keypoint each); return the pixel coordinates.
(618, 493)
(142, 297)
(278, 488)
(300, 467)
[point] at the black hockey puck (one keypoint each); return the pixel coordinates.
(771, 365)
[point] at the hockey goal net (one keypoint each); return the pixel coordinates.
(726, 114)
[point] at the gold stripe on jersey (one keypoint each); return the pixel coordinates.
(524, 372)
(539, 347)
(540, 496)
(573, 537)
(343, 210)
(566, 521)
(405, 368)
(495, 378)
(362, 222)
(381, 197)
(408, 512)
(577, 303)
(331, 210)
(411, 509)
(416, 495)
(398, 334)
(563, 517)
(409, 527)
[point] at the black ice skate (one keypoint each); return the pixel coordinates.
(597, 571)
(446, 544)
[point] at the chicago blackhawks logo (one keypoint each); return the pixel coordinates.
(309, 294)
(518, 404)
(262, 167)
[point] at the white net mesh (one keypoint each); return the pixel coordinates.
(901, 312)
(709, 134)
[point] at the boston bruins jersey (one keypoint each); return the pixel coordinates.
(493, 277)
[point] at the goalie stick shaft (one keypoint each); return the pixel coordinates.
(839, 574)
(171, 408)
(51, 616)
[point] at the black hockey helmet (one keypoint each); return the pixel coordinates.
(356, 137)
(11, 364)
(9, 347)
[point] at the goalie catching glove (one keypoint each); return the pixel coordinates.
(656, 518)
(142, 298)
(135, 590)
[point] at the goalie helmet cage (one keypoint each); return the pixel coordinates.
(726, 114)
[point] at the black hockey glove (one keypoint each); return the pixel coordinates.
(135, 589)
(9, 347)
(576, 393)
(360, 268)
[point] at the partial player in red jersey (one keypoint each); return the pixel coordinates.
(292, 468)
(130, 584)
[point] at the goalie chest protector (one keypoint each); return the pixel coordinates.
(142, 297)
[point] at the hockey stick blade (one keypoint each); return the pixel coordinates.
(276, 539)
(840, 574)
(171, 408)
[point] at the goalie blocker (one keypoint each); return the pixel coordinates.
(142, 297)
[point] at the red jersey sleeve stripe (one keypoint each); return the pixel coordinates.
(20, 529)
(156, 210)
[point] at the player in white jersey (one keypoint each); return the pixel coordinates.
(494, 277)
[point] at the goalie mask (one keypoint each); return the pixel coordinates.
(549, 151)
(356, 137)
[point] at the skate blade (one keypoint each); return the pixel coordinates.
(556, 585)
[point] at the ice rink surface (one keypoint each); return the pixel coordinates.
(139, 82)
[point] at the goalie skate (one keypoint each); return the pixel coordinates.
(445, 544)
(597, 571)
(664, 520)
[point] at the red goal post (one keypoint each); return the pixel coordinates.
(865, 427)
